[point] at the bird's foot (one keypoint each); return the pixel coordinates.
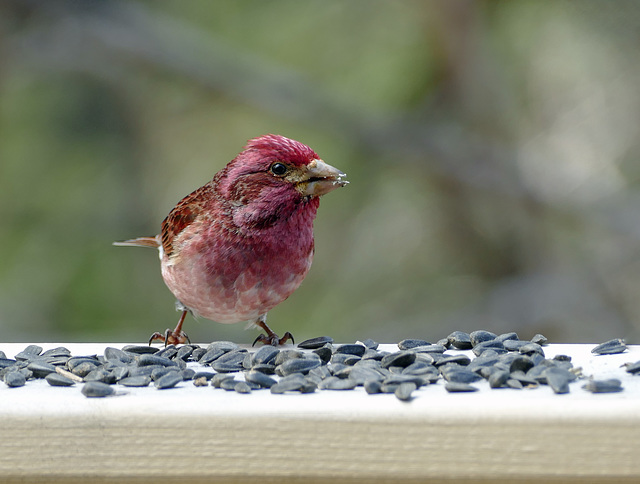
(175, 337)
(170, 337)
(273, 339)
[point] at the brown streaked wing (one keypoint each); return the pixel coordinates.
(183, 214)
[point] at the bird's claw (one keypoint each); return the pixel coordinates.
(170, 337)
(273, 339)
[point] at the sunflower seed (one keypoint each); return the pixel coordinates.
(489, 345)
(344, 359)
(259, 378)
(632, 368)
(169, 380)
(143, 370)
(198, 353)
(57, 380)
(188, 374)
(335, 383)
(558, 379)
(117, 355)
(100, 375)
(610, 347)
(57, 352)
(40, 370)
(225, 346)
(343, 372)
(298, 365)
(218, 378)
(265, 355)
(210, 356)
(521, 363)
(515, 384)
(229, 384)
(140, 350)
(29, 353)
(459, 359)
(360, 374)
(454, 387)
(207, 375)
(184, 352)
(539, 339)
(266, 369)
(404, 391)
(321, 372)
(149, 360)
(159, 372)
(611, 385)
(351, 349)
(374, 355)
(524, 379)
(7, 363)
(419, 368)
(136, 381)
(455, 375)
(97, 389)
(84, 368)
(498, 379)
(315, 343)
(373, 386)
(507, 337)
(284, 386)
(15, 379)
(513, 345)
(242, 387)
(400, 358)
(531, 348)
(285, 355)
(429, 349)
(167, 352)
(407, 344)
(459, 340)
(324, 353)
(369, 344)
(481, 336)
(229, 362)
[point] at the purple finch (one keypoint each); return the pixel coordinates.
(241, 244)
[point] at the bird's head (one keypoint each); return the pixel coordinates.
(284, 164)
(273, 174)
(272, 177)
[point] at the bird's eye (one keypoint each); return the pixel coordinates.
(278, 169)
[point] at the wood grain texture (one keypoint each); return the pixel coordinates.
(194, 434)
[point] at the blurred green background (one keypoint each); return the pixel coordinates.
(492, 149)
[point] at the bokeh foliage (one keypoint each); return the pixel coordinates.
(492, 147)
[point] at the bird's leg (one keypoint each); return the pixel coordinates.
(175, 337)
(270, 338)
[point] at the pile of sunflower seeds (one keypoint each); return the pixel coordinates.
(503, 360)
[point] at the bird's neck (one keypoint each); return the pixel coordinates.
(276, 212)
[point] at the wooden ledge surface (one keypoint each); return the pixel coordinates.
(194, 434)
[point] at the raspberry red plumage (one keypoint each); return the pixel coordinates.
(241, 244)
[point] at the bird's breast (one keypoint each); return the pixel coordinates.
(234, 278)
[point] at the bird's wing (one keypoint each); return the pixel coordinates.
(182, 216)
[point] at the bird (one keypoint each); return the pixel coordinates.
(241, 244)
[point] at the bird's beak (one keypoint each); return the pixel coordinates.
(320, 178)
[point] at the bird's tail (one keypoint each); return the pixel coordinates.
(152, 242)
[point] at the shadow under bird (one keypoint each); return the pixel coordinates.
(241, 244)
